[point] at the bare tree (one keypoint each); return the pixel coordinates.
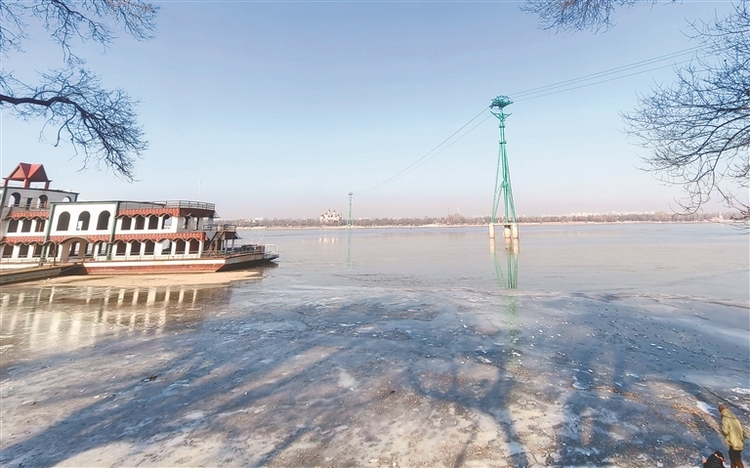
(101, 123)
(698, 128)
(575, 14)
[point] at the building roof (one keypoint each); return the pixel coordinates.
(27, 173)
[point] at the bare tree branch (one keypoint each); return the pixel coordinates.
(576, 15)
(99, 123)
(698, 128)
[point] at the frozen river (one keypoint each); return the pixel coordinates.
(587, 345)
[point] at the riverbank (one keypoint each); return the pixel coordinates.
(394, 380)
(394, 348)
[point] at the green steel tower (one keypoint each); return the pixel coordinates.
(503, 190)
(349, 221)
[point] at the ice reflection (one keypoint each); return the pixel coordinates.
(328, 239)
(506, 263)
(64, 317)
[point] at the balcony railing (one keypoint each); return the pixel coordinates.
(168, 204)
(42, 207)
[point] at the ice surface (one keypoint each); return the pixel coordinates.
(381, 364)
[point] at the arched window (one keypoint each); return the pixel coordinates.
(135, 248)
(125, 225)
(100, 248)
(120, 249)
(13, 225)
(148, 248)
(166, 247)
(194, 246)
(166, 223)
(15, 199)
(26, 225)
(153, 222)
(37, 250)
(43, 200)
(103, 221)
(63, 221)
(83, 221)
(179, 246)
(140, 222)
(23, 251)
(40, 223)
(7, 251)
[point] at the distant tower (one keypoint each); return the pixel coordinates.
(503, 189)
(349, 222)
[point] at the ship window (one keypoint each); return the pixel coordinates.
(140, 222)
(63, 221)
(26, 225)
(23, 251)
(15, 199)
(43, 201)
(83, 221)
(148, 248)
(100, 248)
(166, 222)
(7, 251)
(13, 225)
(194, 246)
(125, 226)
(102, 221)
(153, 222)
(135, 248)
(166, 247)
(121, 246)
(40, 223)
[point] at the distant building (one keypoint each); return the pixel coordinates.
(330, 217)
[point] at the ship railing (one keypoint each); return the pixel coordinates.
(168, 204)
(272, 249)
(11, 208)
(221, 227)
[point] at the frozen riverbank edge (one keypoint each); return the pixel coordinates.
(402, 378)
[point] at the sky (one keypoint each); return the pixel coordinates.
(280, 109)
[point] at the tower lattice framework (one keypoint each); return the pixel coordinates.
(503, 189)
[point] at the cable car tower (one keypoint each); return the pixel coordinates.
(349, 221)
(503, 189)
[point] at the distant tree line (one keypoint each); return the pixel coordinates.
(458, 220)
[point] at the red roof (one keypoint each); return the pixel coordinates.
(28, 173)
(14, 240)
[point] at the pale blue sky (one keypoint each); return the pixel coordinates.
(279, 109)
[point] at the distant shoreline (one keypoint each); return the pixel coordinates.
(428, 226)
